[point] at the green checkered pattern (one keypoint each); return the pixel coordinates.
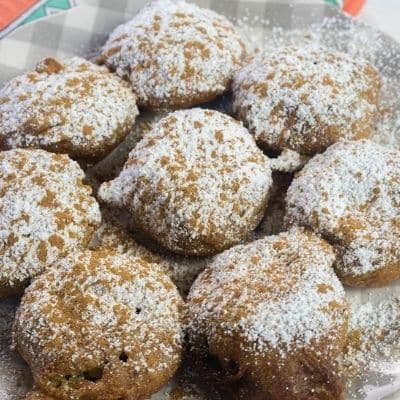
(49, 7)
(334, 2)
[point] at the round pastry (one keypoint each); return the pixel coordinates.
(305, 99)
(196, 184)
(351, 195)
(273, 316)
(175, 54)
(70, 106)
(46, 212)
(181, 269)
(100, 326)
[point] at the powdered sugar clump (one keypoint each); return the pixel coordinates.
(351, 195)
(69, 106)
(46, 213)
(288, 161)
(196, 183)
(175, 53)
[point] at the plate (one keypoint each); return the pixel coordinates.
(82, 30)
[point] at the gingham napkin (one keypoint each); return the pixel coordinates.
(82, 29)
(14, 13)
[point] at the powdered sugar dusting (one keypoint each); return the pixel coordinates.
(70, 106)
(374, 332)
(114, 237)
(182, 270)
(125, 306)
(196, 183)
(373, 344)
(351, 195)
(175, 53)
(46, 212)
(278, 293)
(306, 98)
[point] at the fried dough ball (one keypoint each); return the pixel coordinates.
(196, 184)
(273, 315)
(306, 99)
(175, 54)
(351, 195)
(66, 106)
(100, 326)
(46, 212)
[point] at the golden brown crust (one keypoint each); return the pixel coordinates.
(178, 103)
(102, 326)
(379, 278)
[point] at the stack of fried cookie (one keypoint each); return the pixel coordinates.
(109, 308)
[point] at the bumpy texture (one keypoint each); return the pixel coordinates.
(46, 212)
(175, 54)
(306, 98)
(66, 106)
(274, 315)
(351, 195)
(100, 326)
(197, 183)
(182, 270)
